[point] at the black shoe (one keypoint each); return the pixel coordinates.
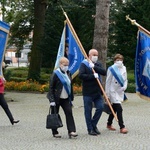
(92, 133)
(97, 131)
(14, 121)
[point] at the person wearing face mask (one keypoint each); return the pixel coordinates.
(116, 84)
(61, 94)
(91, 91)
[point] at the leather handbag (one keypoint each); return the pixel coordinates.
(107, 109)
(53, 121)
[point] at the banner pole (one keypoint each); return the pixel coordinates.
(85, 55)
(133, 22)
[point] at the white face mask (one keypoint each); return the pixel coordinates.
(64, 68)
(94, 59)
(119, 63)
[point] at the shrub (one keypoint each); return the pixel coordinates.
(131, 88)
(16, 80)
(77, 89)
(34, 86)
(7, 75)
(26, 86)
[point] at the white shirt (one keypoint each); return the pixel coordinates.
(63, 94)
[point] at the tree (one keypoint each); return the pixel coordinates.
(19, 14)
(36, 55)
(101, 29)
(25, 15)
(80, 15)
(23, 21)
(100, 40)
(123, 35)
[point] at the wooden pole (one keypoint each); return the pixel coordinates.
(85, 55)
(133, 22)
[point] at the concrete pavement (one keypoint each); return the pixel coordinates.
(30, 133)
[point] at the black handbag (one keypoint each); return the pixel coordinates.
(107, 109)
(53, 121)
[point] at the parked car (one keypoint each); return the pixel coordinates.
(27, 46)
(8, 60)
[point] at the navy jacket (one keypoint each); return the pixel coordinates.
(89, 83)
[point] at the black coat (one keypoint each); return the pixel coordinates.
(55, 88)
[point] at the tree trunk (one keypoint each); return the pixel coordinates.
(101, 29)
(100, 40)
(36, 55)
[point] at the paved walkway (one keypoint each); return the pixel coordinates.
(31, 134)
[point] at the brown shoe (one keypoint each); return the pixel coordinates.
(123, 130)
(111, 128)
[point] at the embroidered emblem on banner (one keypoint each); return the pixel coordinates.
(146, 71)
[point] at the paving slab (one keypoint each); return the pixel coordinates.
(31, 134)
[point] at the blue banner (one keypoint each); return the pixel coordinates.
(4, 30)
(142, 65)
(61, 49)
(69, 48)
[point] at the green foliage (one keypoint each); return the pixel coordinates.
(44, 76)
(17, 79)
(21, 18)
(21, 74)
(47, 70)
(131, 88)
(7, 75)
(131, 77)
(80, 14)
(131, 81)
(21, 83)
(123, 35)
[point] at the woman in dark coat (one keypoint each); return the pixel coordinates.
(61, 94)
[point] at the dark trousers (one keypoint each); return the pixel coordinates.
(117, 109)
(67, 108)
(91, 121)
(5, 107)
